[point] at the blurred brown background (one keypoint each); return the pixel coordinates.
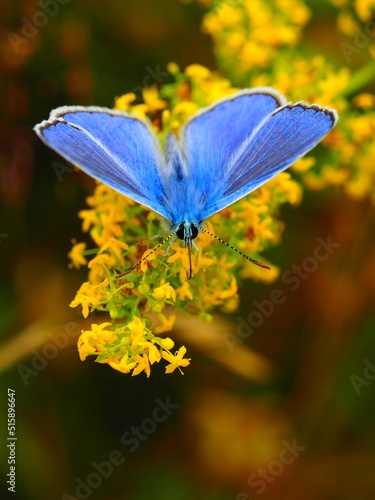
(286, 412)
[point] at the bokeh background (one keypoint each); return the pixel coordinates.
(305, 376)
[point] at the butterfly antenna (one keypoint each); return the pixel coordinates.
(146, 256)
(233, 248)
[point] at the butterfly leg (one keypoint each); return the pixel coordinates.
(154, 236)
(167, 250)
(195, 246)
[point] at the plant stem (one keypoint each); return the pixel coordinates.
(360, 79)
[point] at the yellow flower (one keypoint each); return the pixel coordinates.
(203, 262)
(364, 101)
(231, 305)
(123, 103)
(153, 352)
(335, 175)
(123, 365)
(152, 101)
(140, 109)
(142, 365)
(166, 324)
(137, 329)
(358, 187)
(176, 360)
(76, 256)
(180, 253)
(173, 68)
(115, 245)
(304, 164)
(314, 182)
(346, 23)
(185, 108)
(165, 291)
(90, 341)
(197, 71)
(231, 291)
(89, 218)
(184, 291)
(167, 343)
(88, 295)
(148, 255)
(84, 346)
(364, 9)
(136, 326)
(105, 258)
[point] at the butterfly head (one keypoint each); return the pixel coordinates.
(187, 231)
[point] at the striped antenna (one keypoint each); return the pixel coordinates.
(233, 248)
(147, 256)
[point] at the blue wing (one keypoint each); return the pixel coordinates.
(283, 137)
(229, 149)
(113, 147)
(240, 143)
(213, 134)
(208, 141)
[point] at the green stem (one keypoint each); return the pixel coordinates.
(360, 79)
(92, 251)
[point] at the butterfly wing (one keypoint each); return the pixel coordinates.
(111, 146)
(215, 132)
(209, 138)
(243, 141)
(283, 137)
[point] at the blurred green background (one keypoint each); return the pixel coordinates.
(305, 375)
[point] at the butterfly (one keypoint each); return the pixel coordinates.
(224, 152)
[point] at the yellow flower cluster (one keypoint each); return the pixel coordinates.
(362, 9)
(355, 20)
(131, 348)
(121, 230)
(255, 44)
(249, 34)
(263, 55)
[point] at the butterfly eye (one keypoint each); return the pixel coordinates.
(194, 231)
(180, 233)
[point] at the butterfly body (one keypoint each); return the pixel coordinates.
(223, 152)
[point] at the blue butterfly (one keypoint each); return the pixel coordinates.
(225, 151)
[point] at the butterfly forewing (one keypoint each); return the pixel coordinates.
(283, 137)
(114, 148)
